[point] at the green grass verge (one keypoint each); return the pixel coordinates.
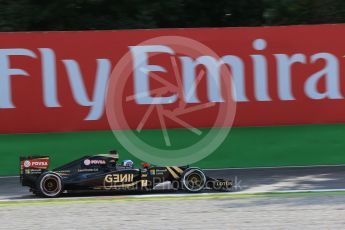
(244, 147)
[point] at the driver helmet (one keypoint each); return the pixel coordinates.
(127, 163)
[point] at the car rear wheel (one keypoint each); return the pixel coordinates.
(193, 180)
(49, 185)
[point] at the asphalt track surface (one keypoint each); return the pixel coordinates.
(184, 211)
(246, 180)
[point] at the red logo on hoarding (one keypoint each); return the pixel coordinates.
(279, 77)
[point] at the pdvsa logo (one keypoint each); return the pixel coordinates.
(39, 163)
(35, 164)
(94, 162)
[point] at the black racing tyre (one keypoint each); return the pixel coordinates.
(193, 180)
(49, 185)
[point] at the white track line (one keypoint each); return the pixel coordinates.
(307, 190)
(5, 177)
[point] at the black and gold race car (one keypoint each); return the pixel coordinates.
(103, 173)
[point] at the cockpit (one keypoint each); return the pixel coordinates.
(113, 158)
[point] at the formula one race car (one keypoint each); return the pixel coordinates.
(103, 173)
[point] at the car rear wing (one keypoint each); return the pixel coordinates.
(33, 165)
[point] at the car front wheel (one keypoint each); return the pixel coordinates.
(193, 180)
